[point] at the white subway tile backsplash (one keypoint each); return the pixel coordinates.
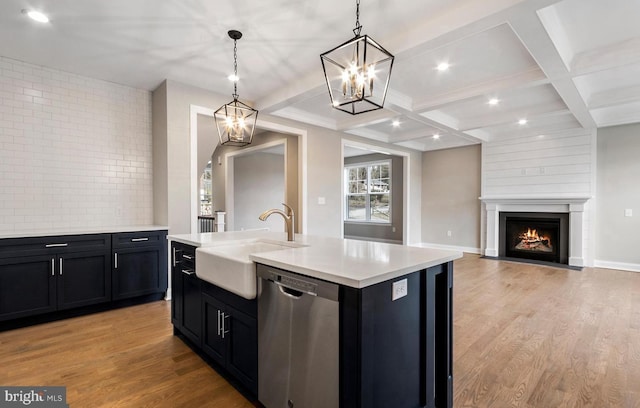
(74, 151)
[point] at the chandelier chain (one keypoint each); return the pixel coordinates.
(235, 69)
(358, 28)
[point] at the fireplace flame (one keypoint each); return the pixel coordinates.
(531, 240)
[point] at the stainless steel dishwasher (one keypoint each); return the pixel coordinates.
(298, 361)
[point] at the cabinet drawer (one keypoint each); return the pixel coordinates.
(138, 239)
(11, 247)
(184, 256)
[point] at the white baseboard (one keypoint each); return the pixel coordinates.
(388, 241)
(617, 265)
(468, 250)
(168, 294)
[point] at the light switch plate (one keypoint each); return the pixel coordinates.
(628, 212)
(399, 289)
(322, 201)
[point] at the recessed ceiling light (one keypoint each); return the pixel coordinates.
(522, 122)
(443, 66)
(395, 123)
(494, 101)
(436, 136)
(233, 78)
(36, 15)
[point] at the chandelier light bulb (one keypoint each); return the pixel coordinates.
(36, 16)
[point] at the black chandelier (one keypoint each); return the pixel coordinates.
(235, 120)
(357, 72)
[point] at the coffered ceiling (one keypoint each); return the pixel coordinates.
(558, 64)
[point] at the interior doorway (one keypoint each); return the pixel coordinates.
(295, 178)
(376, 194)
(256, 180)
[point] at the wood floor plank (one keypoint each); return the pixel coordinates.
(524, 336)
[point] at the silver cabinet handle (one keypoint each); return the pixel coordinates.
(174, 256)
(219, 325)
(53, 266)
(139, 239)
(60, 266)
(115, 256)
(55, 245)
(188, 272)
(189, 257)
(224, 329)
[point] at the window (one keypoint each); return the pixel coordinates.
(368, 192)
(206, 194)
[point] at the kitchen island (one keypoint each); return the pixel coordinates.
(394, 316)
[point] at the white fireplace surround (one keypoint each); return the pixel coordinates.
(574, 206)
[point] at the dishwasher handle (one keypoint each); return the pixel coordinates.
(293, 292)
(288, 292)
(295, 285)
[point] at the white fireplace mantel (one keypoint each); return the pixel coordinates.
(494, 205)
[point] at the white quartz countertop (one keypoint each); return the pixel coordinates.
(49, 232)
(348, 262)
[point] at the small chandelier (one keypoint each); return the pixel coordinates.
(235, 120)
(357, 72)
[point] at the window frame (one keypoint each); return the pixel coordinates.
(367, 195)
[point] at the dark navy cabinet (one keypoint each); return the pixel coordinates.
(42, 277)
(230, 334)
(186, 303)
(139, 264)
(46, 274)
(398, 353)
(218, 324)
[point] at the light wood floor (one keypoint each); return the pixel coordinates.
(525, 336)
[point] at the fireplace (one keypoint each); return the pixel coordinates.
(575, 224)
(534, 236)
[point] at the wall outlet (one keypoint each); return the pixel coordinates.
(399, 289)
(628, 212)
(322, 201)
(448, 233)
(393, 229)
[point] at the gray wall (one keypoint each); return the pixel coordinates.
(159, 146)
(172, 156)
(291, 178)
(381, 231)
(618, 188)
(451, 188)
(323, 168)
(258, 185)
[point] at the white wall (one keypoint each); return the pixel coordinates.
(550, 165)
(74, 151)
(258, 186)
(618, 190)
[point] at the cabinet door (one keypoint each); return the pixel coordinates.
(242, 347)
(213, 343)
(137, 271)
(176, 287)
(27, 286)
(191, 306)
(83, 278)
